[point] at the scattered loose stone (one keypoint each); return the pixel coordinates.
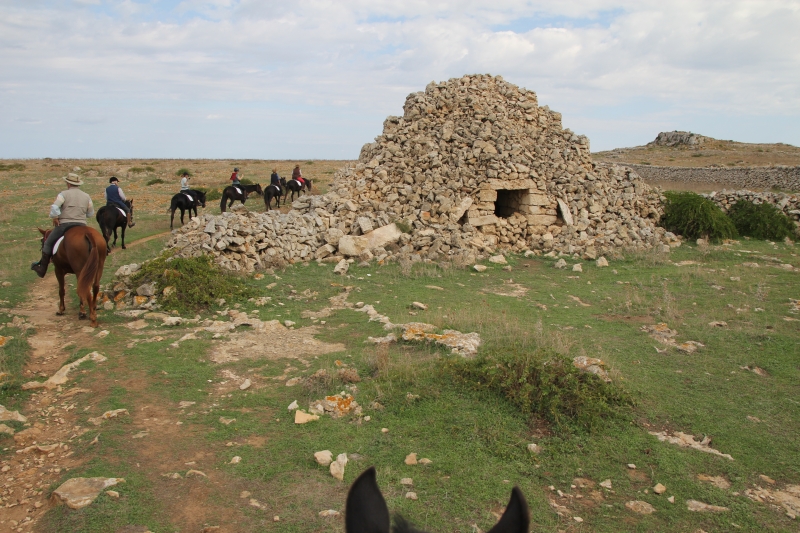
(671, 499)
(137, 324)
(534, 448)
(11, 416)
(425, 461)
(113, 494)
(324, 458)
(411, 459)
(640, 507)
(755, 370)
(578, 519)
(245, 384)
(329, 513)
(235, 460)
(226, 421)
(718, 324)
(480, 268)
(601, 262)
(184, 404)
(592, 365)
(407, 481)
(694, 505)
(337, 466)
(560, 264)
(294, 381)
(717, 481)
(767, 479)
(301, 417)
(293, 406)
(80, 492)
(384, 430)
(107, 415)
(411, 495)
(577, 267)
(419, 305)
(632, 466)
(244, 494)
(61, 376)
(197, 473)
(788, 498)
(288, 323)
(606, 484)
(688, 441)
(4, 429)
(659, 489)
(498, 260)
(341, 267)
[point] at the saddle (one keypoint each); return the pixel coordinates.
(189, 196)
(298, 182)
(121, 211)
(238, 189)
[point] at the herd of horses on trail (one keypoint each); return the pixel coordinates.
(83, 250)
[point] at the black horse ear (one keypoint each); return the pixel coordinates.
(366, 510)
(517, 518)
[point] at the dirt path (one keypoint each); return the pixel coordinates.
(164, 444)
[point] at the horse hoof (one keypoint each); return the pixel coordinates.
(59, 313)
(82, 317)
(124, 247)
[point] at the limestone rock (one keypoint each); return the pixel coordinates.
(601, 262)
(577, 267)
(659, 488)
(479, 268)
(560, 264)
(324, 458)
(80, 492)
(337, 466)
(640, 507)
(12, 416)
(498, 260)
(62, 375)
(301, 417)
(696, 506)
(411, 459)
(341, 267)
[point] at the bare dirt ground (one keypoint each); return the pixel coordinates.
(713, 152)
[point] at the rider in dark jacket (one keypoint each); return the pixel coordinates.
(274, 179)
(116, 198)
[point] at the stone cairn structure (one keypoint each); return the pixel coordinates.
(473, 166)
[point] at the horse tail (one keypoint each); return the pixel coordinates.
(90, 269)
(223, 201)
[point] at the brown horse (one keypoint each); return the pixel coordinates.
(83, 253)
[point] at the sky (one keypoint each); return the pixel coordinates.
(314, 79)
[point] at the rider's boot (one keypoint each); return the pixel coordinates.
(131, 223)
(40, 267)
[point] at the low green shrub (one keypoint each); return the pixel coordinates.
(246, 181)
(198, 282)
(693, 216)
(542, 383)
(761, 221)
(11, 166)
(182, 171)
(155, 181)
(211, 194)
(403, 225)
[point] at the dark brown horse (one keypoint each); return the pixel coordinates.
(295, 186)
(111, 217)
(237, 192)
(82, 252)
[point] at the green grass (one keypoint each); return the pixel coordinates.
(11, 166)
(155, 181)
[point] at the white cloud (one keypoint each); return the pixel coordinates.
(343, 65)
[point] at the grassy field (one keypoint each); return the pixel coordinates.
(475, 437)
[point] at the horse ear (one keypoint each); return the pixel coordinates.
(41, 231)
(517, 518)
(366, 510)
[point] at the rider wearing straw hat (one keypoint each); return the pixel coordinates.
(71, 208)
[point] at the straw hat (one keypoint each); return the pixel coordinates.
(73, 179)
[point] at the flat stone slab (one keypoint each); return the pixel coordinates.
(80, 492)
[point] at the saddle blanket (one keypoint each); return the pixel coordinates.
(189, 196)
(297, 182)
(57, 244)
(237, 189)
(121, 211)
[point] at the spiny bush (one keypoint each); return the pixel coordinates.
(197, 282)
(760, 221)
(544, 384)
(182, 171)
(691, 215)
(155, 181)
(11, 166)
(211, 194)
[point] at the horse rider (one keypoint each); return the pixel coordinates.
(116, 198)
(297, 175)
(274, 179)
(235, 177)
(71, 208)
(185, 182)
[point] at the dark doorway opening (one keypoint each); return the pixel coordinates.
(509, 202)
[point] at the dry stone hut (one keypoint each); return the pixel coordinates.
(473, 166)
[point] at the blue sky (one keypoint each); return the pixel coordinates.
(316, 78)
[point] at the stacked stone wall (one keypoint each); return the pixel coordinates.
(763, 178)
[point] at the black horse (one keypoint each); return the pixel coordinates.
(270, 192)
(230, 194)
(186, 201)
(111, 217)
(295, 187)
